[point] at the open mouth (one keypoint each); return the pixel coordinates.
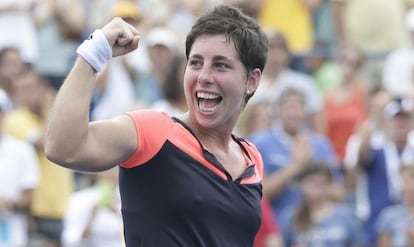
(207, 102)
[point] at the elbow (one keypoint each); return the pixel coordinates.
(57, 155)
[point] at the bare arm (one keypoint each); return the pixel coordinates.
(71, 140)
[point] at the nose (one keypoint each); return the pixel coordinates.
(205, 75)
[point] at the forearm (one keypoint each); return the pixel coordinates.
(276, 182)
(69, 118)
(364, 152)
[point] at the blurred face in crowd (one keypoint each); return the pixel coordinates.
(161, 56)
(28, 90)
(278, 54)
(10, 65)
(349, 62)
(292, 111)
(316, 187)
(399, 126)
(407, 184)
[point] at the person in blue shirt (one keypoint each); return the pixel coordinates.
(380, 155)
(318, 221)
(287, 149)
(395, 224)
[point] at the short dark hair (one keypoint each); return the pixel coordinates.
(250, 41)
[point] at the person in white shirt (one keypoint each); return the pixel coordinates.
(398, 70)
(19, 175)
(93, 216)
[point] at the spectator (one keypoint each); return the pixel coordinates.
(60, 25)
(174, 102)
(358, 24)
(395, 225)
(398, 72)
(318, 221)
(34, 95)
(294, 19)
(16, 21)
(19, 175)
(93, 216)
(323, 68)
(287, 148)
(381, 152)
(373, 125)
(255, 117)
(11, 65)
(345, 106)
(115, 90)
(277, 76)
(162, 49)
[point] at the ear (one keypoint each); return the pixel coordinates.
(253, 80)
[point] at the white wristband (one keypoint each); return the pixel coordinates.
(96, 50)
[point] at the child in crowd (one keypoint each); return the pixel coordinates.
(318, 221)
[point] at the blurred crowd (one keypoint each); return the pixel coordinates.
(332, 118)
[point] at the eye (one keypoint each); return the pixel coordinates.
(195, 64)
(221, 66)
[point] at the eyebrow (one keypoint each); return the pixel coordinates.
(215, 58)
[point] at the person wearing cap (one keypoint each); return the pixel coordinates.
(115, 89)
(380, 155)
(398, 69)
(395, 225)
(162, 48)
(185, 181)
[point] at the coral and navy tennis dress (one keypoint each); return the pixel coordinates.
(176, 193)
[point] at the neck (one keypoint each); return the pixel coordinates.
(212, 139)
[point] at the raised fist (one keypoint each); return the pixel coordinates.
(122, 37)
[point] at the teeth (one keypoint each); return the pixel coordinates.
(207, 95)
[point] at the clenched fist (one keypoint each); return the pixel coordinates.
(122, 37)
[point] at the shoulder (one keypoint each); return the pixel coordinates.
(149, 122)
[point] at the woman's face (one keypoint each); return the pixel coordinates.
(316, 188)
(292, 113)
(216, 82)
